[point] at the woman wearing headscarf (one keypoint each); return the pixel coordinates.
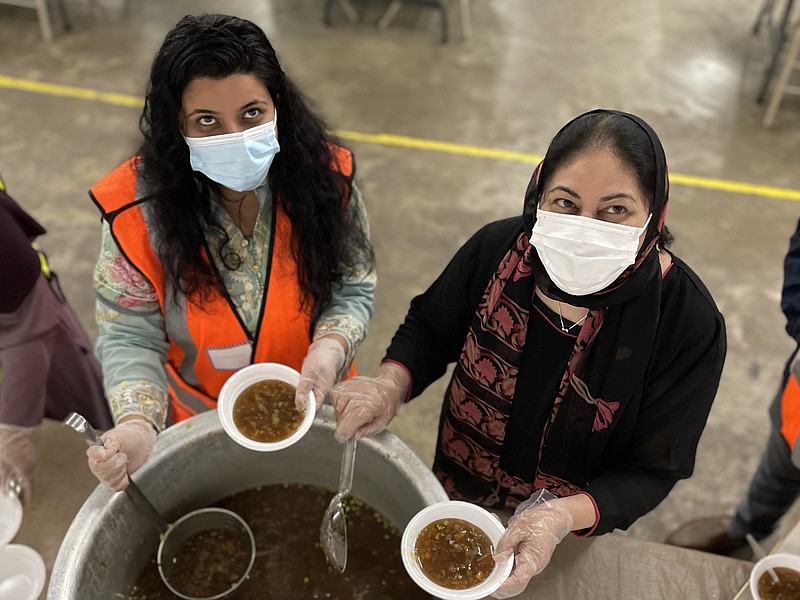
(236, 235)
(587, 355)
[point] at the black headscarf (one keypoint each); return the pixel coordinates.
(633, 280)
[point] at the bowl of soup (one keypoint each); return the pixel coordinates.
(257, 409)
(787, 569)
(447, 550)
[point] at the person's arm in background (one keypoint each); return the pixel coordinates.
(132, 348)
(27, 338)
(790, 296)
(27, 334)
(342, 326)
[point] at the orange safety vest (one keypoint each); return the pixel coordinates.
(208, 344)
(790, 411)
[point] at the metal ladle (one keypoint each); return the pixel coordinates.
(333, 530)
(174, 535)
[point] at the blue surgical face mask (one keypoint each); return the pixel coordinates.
(239, 161)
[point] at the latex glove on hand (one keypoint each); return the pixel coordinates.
(17, 459)
(320, 370)
(124, 449)
(531, 536)
(366, 405)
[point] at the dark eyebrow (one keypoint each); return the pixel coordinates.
(202, 110)
(208, 111)
(608, 198)
(564, 188)
(253, 103)
(617, 196)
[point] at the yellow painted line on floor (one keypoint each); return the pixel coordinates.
(69, 91)
(401, 141)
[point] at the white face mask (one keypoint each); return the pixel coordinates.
(239, 161)
(584, 255)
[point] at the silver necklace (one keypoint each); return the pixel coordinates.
(564, 328)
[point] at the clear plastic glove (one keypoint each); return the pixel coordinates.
(320, 370)
(366, 405)
(17, 459)
(124, 449)
(533, 533)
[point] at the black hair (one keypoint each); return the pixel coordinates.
(326, 242)
(624, 136)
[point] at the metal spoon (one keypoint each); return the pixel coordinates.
(13, 486)
(81, 425)
(760, 553)
(333, 530)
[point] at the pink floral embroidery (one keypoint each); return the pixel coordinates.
(503, 321)
(457, 449)
(136, 291)
(604, 415)
(509, 384)
(517, 339)
(496, 429)
(493, 295)
(470, 411)
(471, 350)
(509, 266)
(458, 393)
(484, 467)
(486, 370)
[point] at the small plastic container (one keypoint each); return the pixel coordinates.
(454, 509)
(22, 569)
(790, 561)
(10, 517)
(22, 573)
(244, 378)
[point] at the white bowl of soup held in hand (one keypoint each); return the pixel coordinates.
(786, 567)
(447, 550)
(256, 407)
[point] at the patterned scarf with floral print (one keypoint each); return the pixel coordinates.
(603, 373)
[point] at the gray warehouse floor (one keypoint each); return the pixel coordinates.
(463, 124)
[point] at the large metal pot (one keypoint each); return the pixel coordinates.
(195, 464)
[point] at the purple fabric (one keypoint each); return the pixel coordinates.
(19, 263)
(49, 368)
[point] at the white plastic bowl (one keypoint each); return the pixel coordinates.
(454, 509)
(791, 561)
(10, 517)
(22, 573)
(244, 378)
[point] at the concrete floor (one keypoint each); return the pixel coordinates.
(692, 69)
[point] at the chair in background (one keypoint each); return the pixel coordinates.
(441, 5)
(43, 14)
(345, 5)
(777, 32)
(791, 62)
(395, 6)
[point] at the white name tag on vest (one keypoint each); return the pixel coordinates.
(230, 358)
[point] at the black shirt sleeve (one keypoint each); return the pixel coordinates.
(19, 263)
(790, 297)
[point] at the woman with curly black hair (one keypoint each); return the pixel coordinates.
(236, 235)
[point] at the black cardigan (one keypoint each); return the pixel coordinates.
(653, 444)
